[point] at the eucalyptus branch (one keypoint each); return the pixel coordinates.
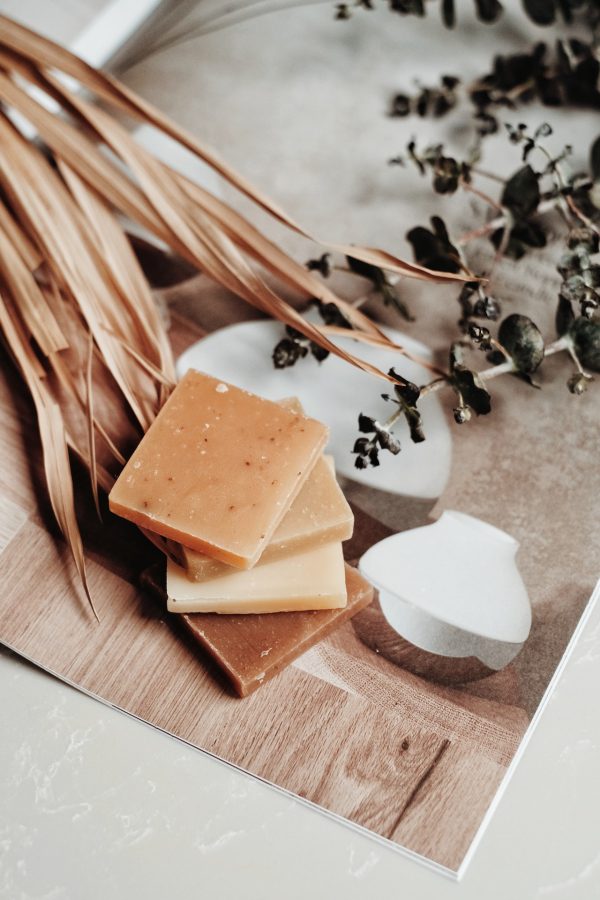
(508, 367)
(516, 225)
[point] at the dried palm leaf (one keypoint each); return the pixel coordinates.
(75, 308)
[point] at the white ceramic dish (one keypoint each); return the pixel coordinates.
(460, 571)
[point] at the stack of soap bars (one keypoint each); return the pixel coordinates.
(252, 521)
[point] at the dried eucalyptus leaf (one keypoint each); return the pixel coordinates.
(488, 10)
(586, 342)
(322, 265)
(595, 160)
(433, 248)
(446, 175)
(287, 353)
(366, 424)
(361, 445)
(470, 387)
(388, 442)
(332, 314)
(400, 106)
(391, 298)
(373, 456)
(365, 269)
(319, 353)
(405, 390)
(408, 7)
(487, 308)
(564, 315)
(542, 12)
(529, 233)
(448, 13)
(294, 334)
(523, 341)
(415, 424)
(574, 288)
(515, 70)
(379, 280)
(407, 395)
(525, 376)
(521, 194)
(522, 235)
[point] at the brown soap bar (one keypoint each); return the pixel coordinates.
(218, 469)
(251, 649)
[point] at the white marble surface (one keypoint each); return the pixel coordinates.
(96, 805)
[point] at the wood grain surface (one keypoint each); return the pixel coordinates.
(412, 761)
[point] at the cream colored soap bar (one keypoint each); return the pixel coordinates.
(320, 514)
(218, 469)
(314, 579)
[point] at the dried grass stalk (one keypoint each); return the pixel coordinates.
(75, 309)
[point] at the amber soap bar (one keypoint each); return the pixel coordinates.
(320, 514)
(218, 469)
(313, 579)
(250, 650)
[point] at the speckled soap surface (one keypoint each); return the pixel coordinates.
(320, 513)
(218, 469)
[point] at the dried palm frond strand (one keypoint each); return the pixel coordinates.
(43, 54)
(75, 309)
(53, 439)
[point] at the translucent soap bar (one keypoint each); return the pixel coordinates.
(218, 469)
(313, 579)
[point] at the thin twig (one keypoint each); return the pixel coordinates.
(484, 173)
(482, 231)
(466, 186)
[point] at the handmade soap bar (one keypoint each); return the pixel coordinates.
(218, 469)
(252, 649)
(313, 579)
(320, 514)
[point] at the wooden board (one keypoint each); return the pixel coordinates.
(333, 747)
